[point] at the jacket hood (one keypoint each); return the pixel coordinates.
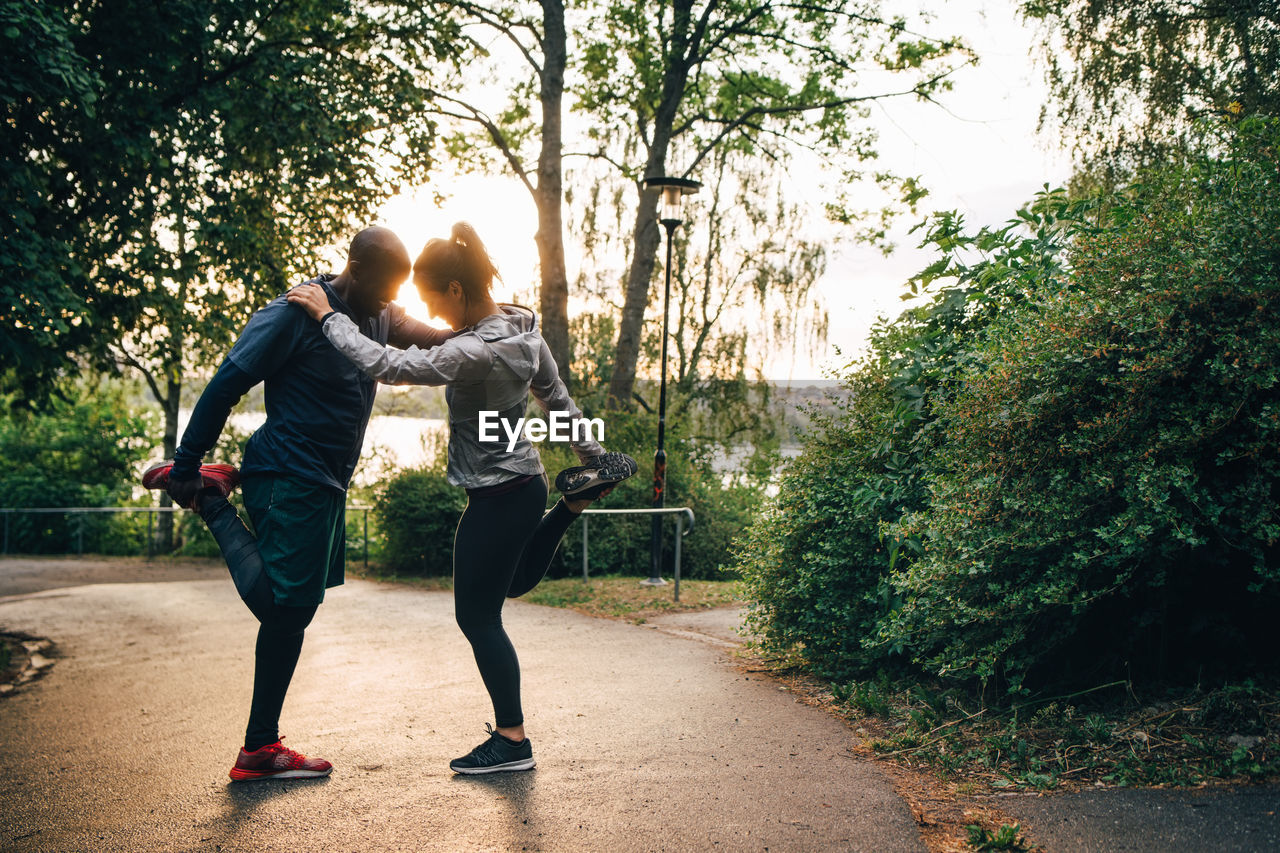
(512, 336)
(511, 320)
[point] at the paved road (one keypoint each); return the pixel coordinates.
(1239, 820)
(648, 738)
(1154, 821)
(646, 741)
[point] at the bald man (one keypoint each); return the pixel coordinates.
(296, 468)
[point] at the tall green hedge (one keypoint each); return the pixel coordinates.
(85, 448)
(1089, 408)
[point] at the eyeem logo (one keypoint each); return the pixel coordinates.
(560, 428)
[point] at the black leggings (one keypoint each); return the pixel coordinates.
(276, 655)
(281, 629)
(240, 550)
(503, 547)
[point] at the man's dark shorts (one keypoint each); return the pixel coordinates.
(301, 529)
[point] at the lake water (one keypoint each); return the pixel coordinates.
(393, 442)
(390, 442)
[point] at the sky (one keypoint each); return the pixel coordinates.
(978, 153)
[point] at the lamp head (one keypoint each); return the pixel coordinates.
(673, 192)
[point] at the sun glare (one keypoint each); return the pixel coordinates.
(500, 210)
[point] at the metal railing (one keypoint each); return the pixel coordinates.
(682, 515)
(80, 511)
(680, 512)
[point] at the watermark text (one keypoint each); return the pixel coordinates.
(561, 427)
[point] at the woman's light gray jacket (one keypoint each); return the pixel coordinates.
(489, 367)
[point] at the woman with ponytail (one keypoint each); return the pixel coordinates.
(495, 359)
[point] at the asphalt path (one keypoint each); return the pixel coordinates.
(646, 740)
(1240, 820)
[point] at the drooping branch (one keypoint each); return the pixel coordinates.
(475, 115)
(920, 90)
(495, 20)
(127, 359)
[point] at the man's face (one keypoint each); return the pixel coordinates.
(376, 284)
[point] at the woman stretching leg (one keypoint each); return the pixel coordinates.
(504, 542)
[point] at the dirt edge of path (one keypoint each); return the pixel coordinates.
(29, 658)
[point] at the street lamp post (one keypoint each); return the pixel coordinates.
(673, 192)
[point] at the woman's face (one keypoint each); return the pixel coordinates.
(447, 305)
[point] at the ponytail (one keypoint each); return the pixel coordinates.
(461, 258)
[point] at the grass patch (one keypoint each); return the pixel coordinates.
(608, 596)
(377, 573)
(1104, 736)
(616, 597)
(1004, 838)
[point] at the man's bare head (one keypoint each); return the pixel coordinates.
(378, 265)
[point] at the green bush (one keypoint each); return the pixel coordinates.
(417, 513)
(1104, 496)
(820, 564)
(621, 544)
(1064, 466)
(83, 449)
(813, 563)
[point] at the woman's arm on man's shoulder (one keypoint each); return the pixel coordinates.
(409, 331)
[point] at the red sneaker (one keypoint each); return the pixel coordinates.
(276, 761)
(222, 477)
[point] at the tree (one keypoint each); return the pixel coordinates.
(728, 74)
(44, 313)
(743, 291)
(1130, 77)
(762, 78)
(229, 140)
(541, 45)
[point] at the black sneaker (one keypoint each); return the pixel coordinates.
(496, 755)
(586, 482)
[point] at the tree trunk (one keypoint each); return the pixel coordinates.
(170, 404)
(172, 368)
(645, 238)
(645, 234)
(554, 296)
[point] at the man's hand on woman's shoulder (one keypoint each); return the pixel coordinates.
(311, 298)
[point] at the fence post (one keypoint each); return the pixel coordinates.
(679, 536)
(584, 547)
(6, 531)
(150, 516)
(366, 538)
(80, 534)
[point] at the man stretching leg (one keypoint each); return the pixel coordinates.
(295, 471)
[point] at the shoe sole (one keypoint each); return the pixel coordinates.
(250, 776)
(157, 476)
(522, 764)
(152, 479)
(615, 468)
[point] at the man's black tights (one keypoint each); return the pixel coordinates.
(240, 550)
(281, 629)
(279, 644)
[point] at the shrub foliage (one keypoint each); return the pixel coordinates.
(417, 512)
(1064, 465)
(83, 449)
